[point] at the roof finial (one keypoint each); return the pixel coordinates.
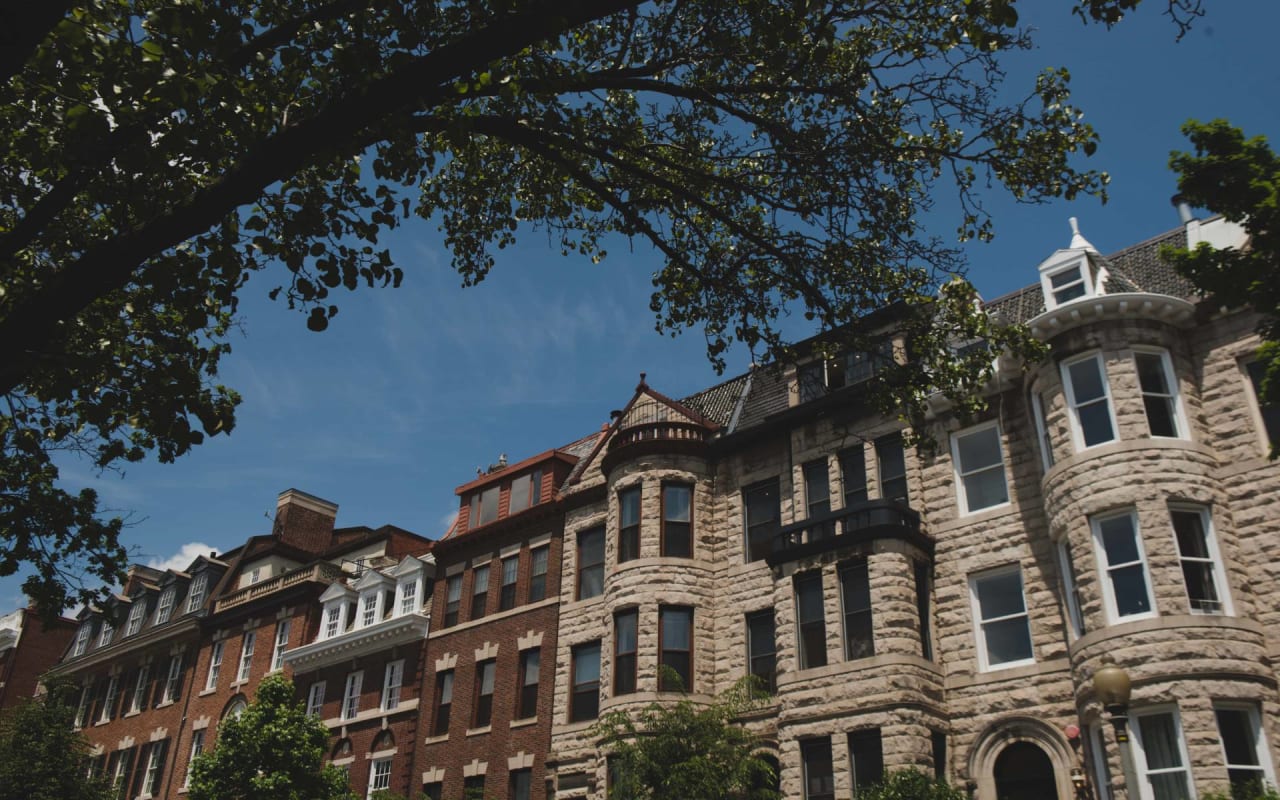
(1078, 242)
(642, 385)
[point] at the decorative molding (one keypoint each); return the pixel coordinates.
(126, 743)
(433, 775)
(446, 661)
(200, 724)
(529, 640)
(402, 630)
(488, 651)
(159, 733)
(475, 768)
(520, 760)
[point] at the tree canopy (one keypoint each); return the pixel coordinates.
(774, 155)
(1239, 178)
(42, 755)
(272, 749)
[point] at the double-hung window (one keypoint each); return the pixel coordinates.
(675, 652)
(106, 632)
(892, 462)
(164, 609)
(109, 703)
(1042, 431)
(1070, 595)
(1162, 756)
(332, 621)
(479, 591)
(315, 699)
(521, 784)
(351, 694)
(922, 573)
(811, 619)
(452, 600)
(369, 602)
(819, 778)
(1092, 419)
(195, 596)
(629, 524)
(282, 643)
(853, 476)
(817, 489)
(590, 563)
(979, 466)
(483, 712)
(484, 508)
(538, 573)
(444, 702)
(246, 655)
(409, 595)
(151, 778)
(136, 702)
(527, 701)
(1201, 563)
(761, 516)
(866, 758)
(215, 665)
(82, 639)
(392, 679)
(1126, 587)
(1159, 390)
(855, 596)
(762, 649)
(1067, 284)
(510, 574)
(1244, 749)
(1000, 611)
(677, 520)
(1269, 412)
(525, 492)
(379, 776)
(136, 612)
(172, 681)
(624, 651)
(197, 747)
(584, 703)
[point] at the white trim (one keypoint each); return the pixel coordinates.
(1263, 753)
(215, 665)
(958, 468)
(980, 634)
(315, 705)
(351, 695)
(246, 656)
(281, 644)
(1144, 789)
(1077, 432)
(1043, 444)
(1066, 568)
(373, 776)
(1175, 393)
(1059, 263)
(1105, 567)
(394, 669)
(1215, 557)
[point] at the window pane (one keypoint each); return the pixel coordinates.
(985, 489)
(519, 499)
(816, 489)
(853, 474)
(1008, 640)
(761, 647)
(819, 782)
(1118, 540)
(867, 755)
(1160, 741)
(760, 509)
(1130, 586)
(1237, 736)
(1000, 595)
(1095, 423)
(893, 469)
(676, 521)
(1086, 380)
(855, 591)
(978, 449)
(676, 624)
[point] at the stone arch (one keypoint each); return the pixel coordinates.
(234, 707)
(1019, 730)
(341, 748)
(385, 740)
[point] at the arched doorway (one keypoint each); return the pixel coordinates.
(1024, 772)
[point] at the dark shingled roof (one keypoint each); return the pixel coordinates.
(768, 396)
(718, 403)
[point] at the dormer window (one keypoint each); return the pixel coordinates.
(408, 593)
(82, 639)
(852, 367)
(484, 507)
(135, 616)
(1068, 284)
(165, 607)
(526, 491)
(195, 598)
(332, 621)
(1067, 275)
(370, 606)
(107, 631)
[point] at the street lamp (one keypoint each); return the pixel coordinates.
(1112, 687)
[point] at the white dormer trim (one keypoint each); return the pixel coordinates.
(1067, 275)
(336, 600)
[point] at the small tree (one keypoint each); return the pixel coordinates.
(273, 750)
(910, 784)
(42, 757)
(688, 750)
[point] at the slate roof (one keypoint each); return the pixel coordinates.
(720, 401)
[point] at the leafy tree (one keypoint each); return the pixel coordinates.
(688, 750)
(910, 784)
(1239, 178)
(775, 156)
(273, 749)
(42, 756)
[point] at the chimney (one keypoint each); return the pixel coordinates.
(1185, 214)
(304, 521)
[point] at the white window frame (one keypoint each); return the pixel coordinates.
(164, 608)
(1077, 430)
(1075, 616)
(106, 632)
(1081, 265)
(1174, 396)
(139, 685)
(171, 681)
(113, 694)
(351, 694)
(195, 596)
(979, 631)
(960, 473)
(1215, 557)
(1098, 759)
(1043, 444)
(82, 638)
(408, 591)
(1265, 764)
(82, 710)
(282, 644)
(150, 777)
(136, 612)
(1145, 791)
(197, 747)
(333, 623)
(383, 765)
(215, 665)
(392, 680)
(370, 612)
(246, 656)
(315, 699)
(1105, 568)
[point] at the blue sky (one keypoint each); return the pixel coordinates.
(411, 389)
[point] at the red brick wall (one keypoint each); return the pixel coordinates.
(38, 649)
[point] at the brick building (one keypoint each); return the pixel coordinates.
(28, 647)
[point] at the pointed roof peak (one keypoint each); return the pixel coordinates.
(1078, 242)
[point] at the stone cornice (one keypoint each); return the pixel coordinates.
(1125, 305)
(389, 633)
(188, 624)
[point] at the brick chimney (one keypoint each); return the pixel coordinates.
(304, 521)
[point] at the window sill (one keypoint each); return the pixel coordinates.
(165, 703)
(444, 737)
(522, 723)
(207, 692)
(479, 731)
(238, 684)
(989, 668)
(135, 712)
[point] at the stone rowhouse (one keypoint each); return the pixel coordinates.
(176, 652)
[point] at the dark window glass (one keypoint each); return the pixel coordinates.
(760, 509)
(675, 625)
(1198, 570)
(484, 694)
(525, 492)
(939, 741)
(538, 574)
(855, 594)
(677, 520)
(812, 623)
(922, 609)
(473, 788)
(866, 757)
(1158, 397)
(585, 703)
(624, 652)
(484, 507)
(817, 492)
(510, 572)
(812, 380)
(521, 784)
(762, 648)
(819, 782)
(893, 468)
(1270, 411)
(452, 600)
(590, 563)
(479, 591)
(628, 524)
(529, 666)
(1240, 745)
(433, 791)
(444, 703)
(853, 474)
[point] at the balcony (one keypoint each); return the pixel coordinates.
(859, 523)
(322, 572)
(657, 436)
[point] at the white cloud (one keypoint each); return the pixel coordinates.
(183, 558)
